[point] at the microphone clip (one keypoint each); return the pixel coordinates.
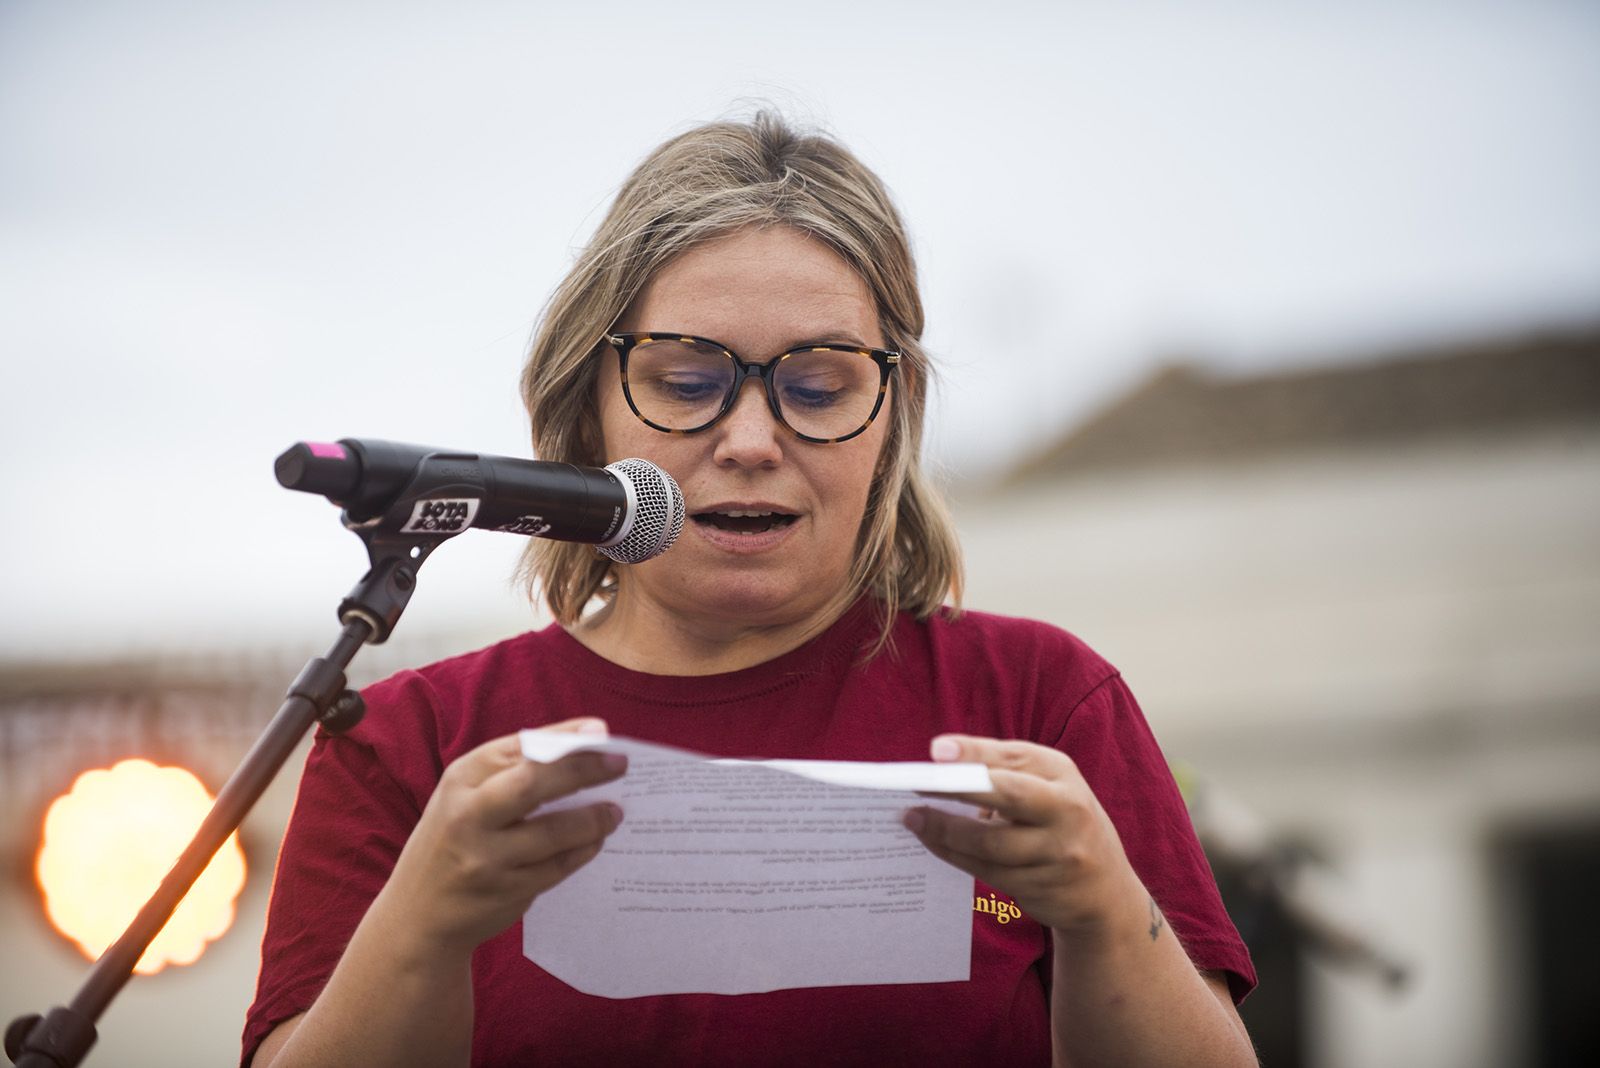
(383, 592)
(439, 501)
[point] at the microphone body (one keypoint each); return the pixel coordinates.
(631, 511)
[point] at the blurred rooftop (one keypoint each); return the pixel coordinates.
(1186, 415)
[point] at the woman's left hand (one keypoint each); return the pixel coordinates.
(1044, 838)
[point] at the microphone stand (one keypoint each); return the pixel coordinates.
(62, 1037)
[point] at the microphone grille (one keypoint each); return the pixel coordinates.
(657, 512)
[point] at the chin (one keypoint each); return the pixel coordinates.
(753, 600)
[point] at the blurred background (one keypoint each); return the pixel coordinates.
(1270, 339)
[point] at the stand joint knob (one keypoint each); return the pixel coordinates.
(17, 1033)
(61, 1037)
(345, 712)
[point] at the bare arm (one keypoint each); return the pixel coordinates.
(1123, 991)
(402, 992)
(1125, 996)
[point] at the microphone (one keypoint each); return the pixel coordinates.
(631, 511)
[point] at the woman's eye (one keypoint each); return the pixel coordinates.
(687, 387)
(811, 397)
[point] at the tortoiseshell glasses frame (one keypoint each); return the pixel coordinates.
(625, 344)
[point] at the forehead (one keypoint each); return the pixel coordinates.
(759, 290)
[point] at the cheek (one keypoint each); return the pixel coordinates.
(619, 434)
(853, 481)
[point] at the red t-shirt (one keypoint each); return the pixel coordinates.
(978, 674)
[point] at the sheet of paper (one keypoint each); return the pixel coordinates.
(736, 877)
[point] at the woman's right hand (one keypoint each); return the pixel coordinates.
(477, 858)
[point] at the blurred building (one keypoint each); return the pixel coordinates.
(1361, 606)
(1363, 603)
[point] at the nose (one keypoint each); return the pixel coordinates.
(749, 435)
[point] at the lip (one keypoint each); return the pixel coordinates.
(745, 544)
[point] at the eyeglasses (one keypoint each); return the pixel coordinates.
(823, 393)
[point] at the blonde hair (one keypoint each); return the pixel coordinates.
(707, 183)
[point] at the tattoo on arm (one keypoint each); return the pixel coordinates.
(1157, 921)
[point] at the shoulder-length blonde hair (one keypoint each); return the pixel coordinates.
(703, 184)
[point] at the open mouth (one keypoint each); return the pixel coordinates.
(744, 522)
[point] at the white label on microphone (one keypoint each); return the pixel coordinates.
(441, 515)
(533, 526)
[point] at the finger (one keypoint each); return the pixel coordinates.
(505, 751)
(540, 877)
(1006, 845)
(478, 764)
(532, 880)
(1010, 754)
(1024, 798)
(999, 876)
(512, 793)
(535, 841)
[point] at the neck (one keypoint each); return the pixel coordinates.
(641, 635)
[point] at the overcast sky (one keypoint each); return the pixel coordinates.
(225, 227)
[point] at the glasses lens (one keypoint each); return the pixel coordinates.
(678, 384)
(825, 393)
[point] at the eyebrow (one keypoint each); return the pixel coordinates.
(845, 339)
(833, 339)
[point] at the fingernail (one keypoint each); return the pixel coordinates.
(915, 819)
(615, 763)
(945, 749)
(615, 813)
(593, 726)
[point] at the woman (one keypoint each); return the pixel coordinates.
(798, 616)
